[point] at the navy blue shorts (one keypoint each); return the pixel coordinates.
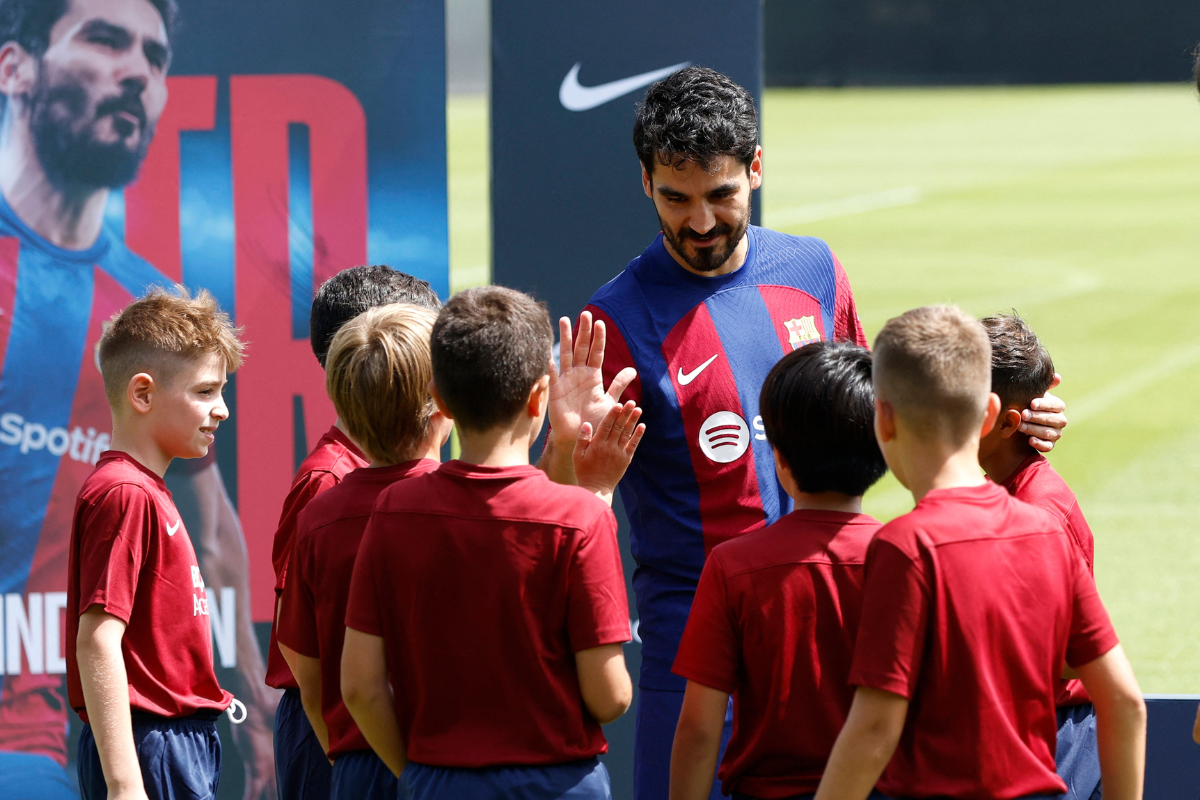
(654, 735)
(575, 780)
(40, 778)
(362, 775)
(1078, 755)
(180, 758)
(302, 770)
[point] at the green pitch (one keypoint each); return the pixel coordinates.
(1077, 206)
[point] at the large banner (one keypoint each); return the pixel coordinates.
(254, 150)
(568, 212)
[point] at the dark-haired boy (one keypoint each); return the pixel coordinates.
(490, 600)
(776, 611)
(301, 768)
(1022, 369)
(972, 603)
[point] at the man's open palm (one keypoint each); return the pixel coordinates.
(577, 393)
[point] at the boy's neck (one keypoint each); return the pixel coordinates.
(428, 449)
(930, 465)
(1003, 462)
(498, 447)
(828, 501)
(140, 447)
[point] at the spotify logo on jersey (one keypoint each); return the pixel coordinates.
(724, 437)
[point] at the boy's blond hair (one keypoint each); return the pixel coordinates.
(933, 365)
(377, 373)
(162, 331)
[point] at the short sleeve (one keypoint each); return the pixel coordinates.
(113, 548)
(1092, 633)
(597, 607)
(895, 617)
(362, 607)
(710, 651)
(301, 494)
(846, 325)
(297, 609)
(616, 354)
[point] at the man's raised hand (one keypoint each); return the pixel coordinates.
(601, 458)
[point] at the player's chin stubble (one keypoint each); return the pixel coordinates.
(706, 259)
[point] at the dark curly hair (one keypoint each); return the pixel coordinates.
(696, 114)
(28, 22)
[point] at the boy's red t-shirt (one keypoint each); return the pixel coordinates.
(131, 555)
(972, 602)
(773, 623)
(1037, 483)
(333, 458)
(312, 618)
(484, 582)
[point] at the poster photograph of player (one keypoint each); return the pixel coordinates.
(249, 149)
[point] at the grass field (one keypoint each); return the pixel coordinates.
(1079, 207)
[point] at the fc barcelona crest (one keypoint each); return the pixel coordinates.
(801, 331)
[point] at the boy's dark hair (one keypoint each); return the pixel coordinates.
(696, 114)
(490, 346)
(1021, 367)
(28, 22)
(818, 410)
(353, 291)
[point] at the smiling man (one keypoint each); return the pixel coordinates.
(702, 315)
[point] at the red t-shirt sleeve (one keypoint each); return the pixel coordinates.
(113, 547)
(297, 610)
(597, 607)
(1092, 633)
(895, 618)
(302, 492)
(710, 651)
(616, 355)
(362, 607)
(846, 325)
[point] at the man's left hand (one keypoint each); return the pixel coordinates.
(1044, 420)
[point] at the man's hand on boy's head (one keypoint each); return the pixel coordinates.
(577, 393)
(1044, 420)
(601, 458)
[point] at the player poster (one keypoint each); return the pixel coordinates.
(253, 149)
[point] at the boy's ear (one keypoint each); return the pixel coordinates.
(437, 399)
(990, 416)
(140, 392)
(885, 421)
(539, 397)
(1008, 423)
(786, 479)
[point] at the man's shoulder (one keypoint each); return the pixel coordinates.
(774, 248)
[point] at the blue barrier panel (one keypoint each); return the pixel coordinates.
(1172, 758)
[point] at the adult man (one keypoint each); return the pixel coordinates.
(702, 315)
(84, 83)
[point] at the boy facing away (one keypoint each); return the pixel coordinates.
(1022, 369)
(301, 767)
(490, 599)
(776, 610)
(973, 601)
(377, 374)
(139, 652)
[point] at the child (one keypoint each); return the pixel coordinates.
(491, 599)
(1021, 370)
(972, 603)
(377, 373)
(301, 768)
(139, 652)
(774, 617)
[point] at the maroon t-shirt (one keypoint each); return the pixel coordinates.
(333, 457)
(131, 555)
(972, 602)
(484, 582)
(1037, 483)
(312, 617)
(773, 623)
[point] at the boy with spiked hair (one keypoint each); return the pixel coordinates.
(377, 374)
(973, 601)
(487, 608)
(139, 652)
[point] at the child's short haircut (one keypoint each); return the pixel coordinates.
(933, 365)
(352, 291)
(490, 346)
(159, 333)
(377, 373)
(1021, 367)
(818, 410)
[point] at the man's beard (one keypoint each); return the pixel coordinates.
(66, 146)
(707, 259)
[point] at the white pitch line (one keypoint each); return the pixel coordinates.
(845, 206)
(1124, 388)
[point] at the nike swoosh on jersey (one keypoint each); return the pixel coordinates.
(687, 377)
(583, 98)
(172, 528)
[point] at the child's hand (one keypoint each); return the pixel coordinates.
(1045, 419)
(601, 459)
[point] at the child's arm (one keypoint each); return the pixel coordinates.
(1120, 723)
(106, 696)
(368, 697)
(865, 745)
(601, 458)
(307, 671)
(697, 741)
(603, 682)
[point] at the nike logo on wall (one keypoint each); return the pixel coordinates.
(172, 528)
(583, 98)
(688, 377)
